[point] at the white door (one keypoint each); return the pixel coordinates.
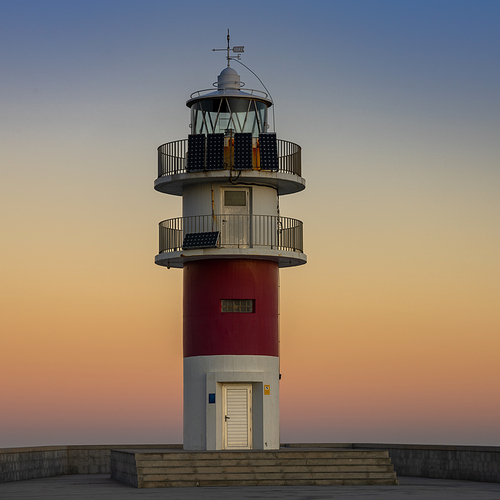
(237, 416)
(235, 210)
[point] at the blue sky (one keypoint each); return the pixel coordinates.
(396, 106)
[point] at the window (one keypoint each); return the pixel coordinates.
(235, 198)
(237, 305)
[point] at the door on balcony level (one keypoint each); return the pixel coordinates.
(237, 416)
(235, 217)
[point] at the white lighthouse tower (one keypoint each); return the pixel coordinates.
(230, 243)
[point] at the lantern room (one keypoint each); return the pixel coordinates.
(229, 110)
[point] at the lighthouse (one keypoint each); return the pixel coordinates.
(230, 243)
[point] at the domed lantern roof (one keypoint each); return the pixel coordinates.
(228, 79)
(228, 83)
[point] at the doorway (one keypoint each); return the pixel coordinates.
(235, 210)
(237, 416)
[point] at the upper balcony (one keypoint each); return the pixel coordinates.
(173, 173)
(219, 236)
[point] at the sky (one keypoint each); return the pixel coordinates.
(390, 333)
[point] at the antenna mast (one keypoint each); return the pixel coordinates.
(237, 49)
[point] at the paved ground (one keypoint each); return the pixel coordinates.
(100, 487)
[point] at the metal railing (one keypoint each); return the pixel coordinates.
(228, 92)
(172, 158)
(235, 231)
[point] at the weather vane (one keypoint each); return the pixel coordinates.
(237, 49)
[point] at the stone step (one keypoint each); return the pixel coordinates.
(258, 455)
(261, 463)
(264, 476)
(273, 482)
(170, 468)
(265, 469)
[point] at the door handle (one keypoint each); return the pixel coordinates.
(227, 418)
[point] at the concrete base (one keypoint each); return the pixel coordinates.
(284, 467)
(472, 463)
(203, 421)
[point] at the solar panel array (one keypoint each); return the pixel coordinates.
(215, 151)
(207, 153)
(268, 151)
(196, 152)
(243, 151)
(200, 240)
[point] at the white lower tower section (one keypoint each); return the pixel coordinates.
(231, 402)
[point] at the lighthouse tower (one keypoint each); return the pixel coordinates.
(230, 243)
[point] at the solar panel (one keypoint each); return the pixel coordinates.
(268, 151)
(242, 151)
(215, 151)
(196, 152)
(200, 240)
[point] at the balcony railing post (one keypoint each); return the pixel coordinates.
(240, 231)
(172, 158)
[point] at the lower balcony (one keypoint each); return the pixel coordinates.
(231, 236)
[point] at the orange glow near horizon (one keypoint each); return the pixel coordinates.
(390, 332)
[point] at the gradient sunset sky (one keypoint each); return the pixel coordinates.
(390, 333)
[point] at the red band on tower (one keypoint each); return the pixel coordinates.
(207, 330)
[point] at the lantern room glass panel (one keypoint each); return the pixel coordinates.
(229, 116)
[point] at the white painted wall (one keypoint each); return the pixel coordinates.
(197, 199)
(264, 200)
(204, 375)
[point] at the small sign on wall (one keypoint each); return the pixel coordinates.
(267, 390)
(211, 398)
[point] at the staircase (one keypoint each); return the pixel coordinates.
(284, 467)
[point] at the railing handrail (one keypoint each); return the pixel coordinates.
(235, 231)
(172, 158)
(230, 93)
